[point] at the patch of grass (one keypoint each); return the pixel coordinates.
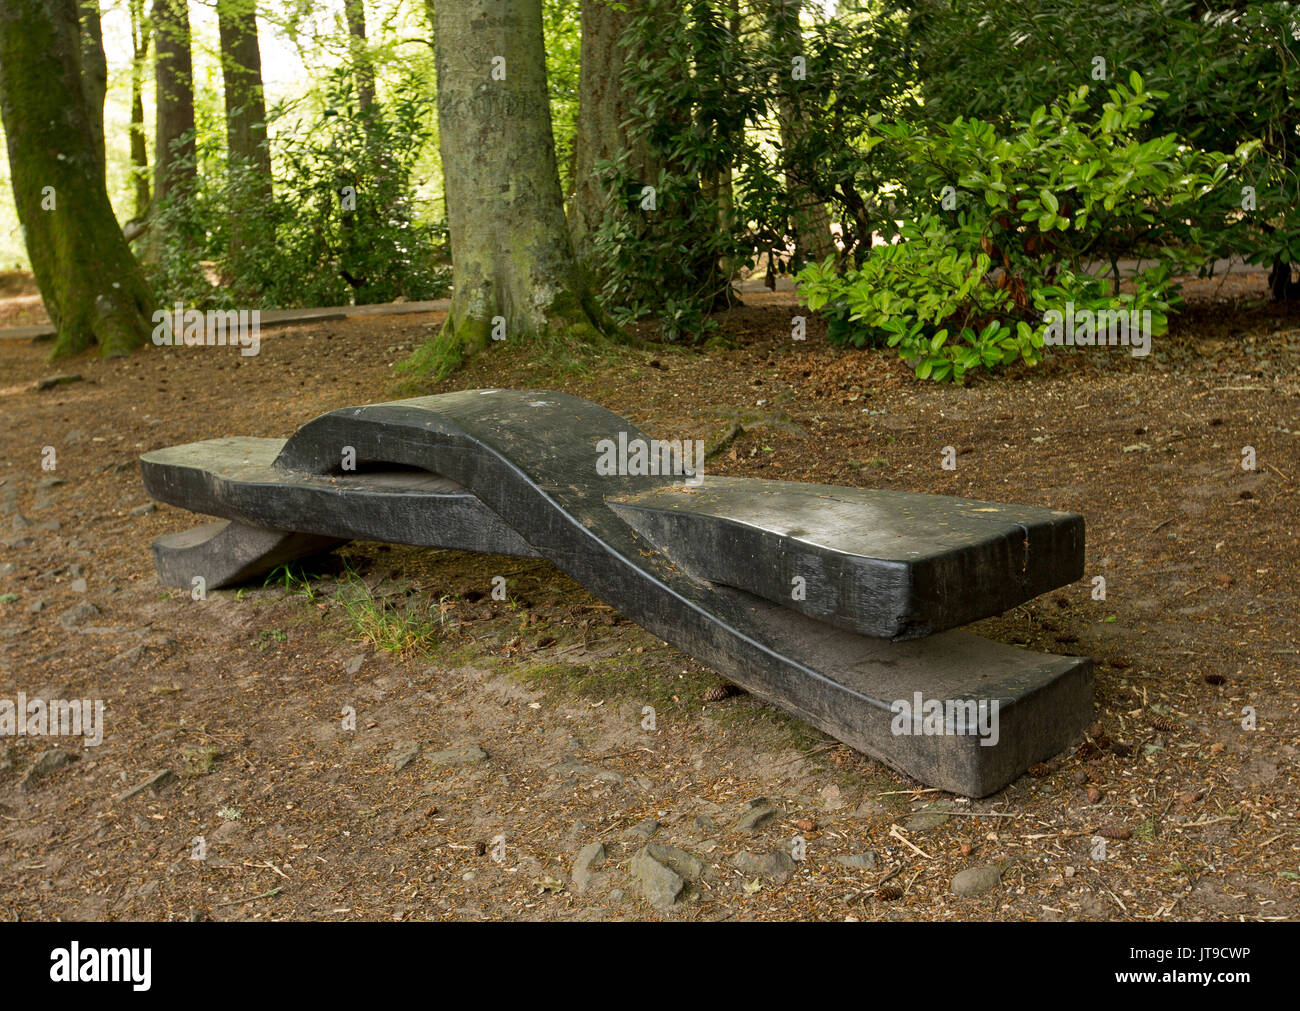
(624, 677)
(408, 626)
(749, 714)
(198, 761)
(267, 636)
(630, 678)
(560, 356)
(431, 362)
(296, 579)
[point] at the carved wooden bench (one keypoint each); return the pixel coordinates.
(836, 604)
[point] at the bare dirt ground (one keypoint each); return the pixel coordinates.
(20, 302)
(483, 763)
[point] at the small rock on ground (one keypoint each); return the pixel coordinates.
(684, 864)
(927, 818)
(759, 812)
(976, 880)
(155, 783)
(469, 754)
(76, 616)
(46, 763)
(590, 858)
(778, 864)
(660, 884)
(403, 754)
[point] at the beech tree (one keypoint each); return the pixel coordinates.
(94, 72)
(603, 108)
(248, 155)
(174, 145)
(139, 147)
(810, 223)
(93, 289)
(354, 12)
(513, 268)
(241, 71)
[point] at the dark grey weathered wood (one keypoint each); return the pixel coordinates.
(226, 554)
(500, 464)
(883, 563)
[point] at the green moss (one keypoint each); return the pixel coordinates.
(621, 678)
(198, 761)
(432, 361)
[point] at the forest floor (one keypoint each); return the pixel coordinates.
(485, 760)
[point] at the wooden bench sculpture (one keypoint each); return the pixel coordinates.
(836, 604)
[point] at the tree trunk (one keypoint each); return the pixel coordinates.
(511, 253)
(139, 148)
(603, 107)
(247, 153)
(92, 286)
(174, 170)
(241, 70)
(809, 221)
(94, 72)
(355, 13)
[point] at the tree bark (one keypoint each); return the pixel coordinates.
(174, 170)
(511, 252)
(92, 286)
(139, 147)
(809, 221)
(241, 70)
(603, 107)
(94, 72)
(354, 11)
(248, 156)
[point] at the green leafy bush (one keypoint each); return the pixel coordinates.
(667, 247)
(1025, 223)
(307, 244)
(1229, 74)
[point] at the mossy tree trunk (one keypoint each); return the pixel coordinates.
(248, 155)
(139, 147)
(174, 169)
(603, 108)
(241, 70)
(354, 12)
(810, 222)
(92, 286)
(512, 257)
(94, 71)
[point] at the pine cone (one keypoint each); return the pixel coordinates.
(888, 893)
(1164, 724)
(720, 692)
